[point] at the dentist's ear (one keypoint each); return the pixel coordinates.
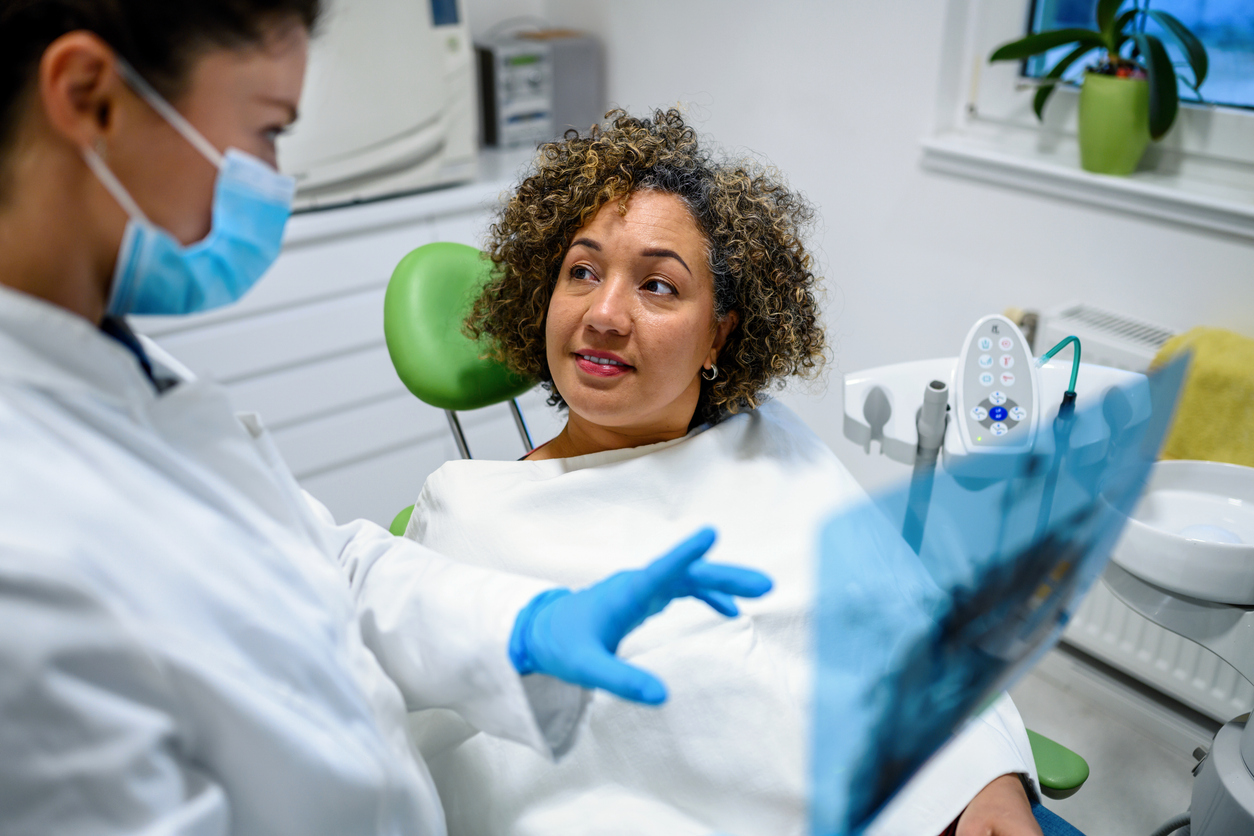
(79, 89)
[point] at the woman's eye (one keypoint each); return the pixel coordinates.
(273, 133)
(659, 287)
(580, 273)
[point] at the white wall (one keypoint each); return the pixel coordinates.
(483, 15)
(837, 93)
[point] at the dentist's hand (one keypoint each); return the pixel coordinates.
(574, 635)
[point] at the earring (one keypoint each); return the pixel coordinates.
(713, 372)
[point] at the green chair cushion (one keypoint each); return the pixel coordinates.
(1060, 770)
(401, 521)
(427, 300)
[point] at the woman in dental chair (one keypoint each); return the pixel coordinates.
(659, 294)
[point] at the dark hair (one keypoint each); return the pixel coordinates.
(159, 38)
(753, 224)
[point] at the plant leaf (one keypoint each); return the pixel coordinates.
(1055, 75)
(1045, 41)
(1191, 86)
(1121, 23)
(1164, 98)
(1193, 48)
(1106, 18)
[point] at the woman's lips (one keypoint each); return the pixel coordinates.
(601, 363)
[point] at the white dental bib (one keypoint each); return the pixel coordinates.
(729, 752)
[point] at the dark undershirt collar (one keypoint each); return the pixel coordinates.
(116, 327)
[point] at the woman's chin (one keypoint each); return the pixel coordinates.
(619, 406)
(599, 395)
(627, 419)
(598, 413)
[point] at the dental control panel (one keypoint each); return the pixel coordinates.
(996, 389)
(883, 405)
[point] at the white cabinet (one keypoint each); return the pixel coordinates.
(305, 350)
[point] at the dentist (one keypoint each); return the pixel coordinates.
(188, 643)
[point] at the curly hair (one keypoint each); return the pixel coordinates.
(752, 223)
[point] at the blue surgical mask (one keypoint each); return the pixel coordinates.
(155, 274)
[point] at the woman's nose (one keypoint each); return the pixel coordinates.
(609, 309)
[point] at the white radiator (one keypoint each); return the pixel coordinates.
(1107, 339)
(1104, 626)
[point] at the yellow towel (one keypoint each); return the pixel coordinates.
(1215, 416)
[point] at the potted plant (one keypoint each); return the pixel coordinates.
(1131, 95)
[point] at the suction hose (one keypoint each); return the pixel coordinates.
(1172, 825)
(930, 423)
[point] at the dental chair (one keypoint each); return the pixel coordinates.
(427, 300)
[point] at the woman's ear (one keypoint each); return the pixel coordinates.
(78, 87)
(722, 330)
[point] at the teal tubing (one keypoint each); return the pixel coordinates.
(1075, 358)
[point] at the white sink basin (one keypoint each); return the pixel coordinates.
(1193, 532)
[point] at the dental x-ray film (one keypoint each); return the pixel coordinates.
(910, 645)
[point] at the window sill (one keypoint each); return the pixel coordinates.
(1191, 191)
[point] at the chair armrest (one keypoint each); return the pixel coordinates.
(1060, 770)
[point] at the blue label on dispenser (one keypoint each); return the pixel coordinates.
(444, 13)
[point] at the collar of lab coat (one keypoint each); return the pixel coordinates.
(47, 347)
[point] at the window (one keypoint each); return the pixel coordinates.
(1225, 28)
(1201, 173)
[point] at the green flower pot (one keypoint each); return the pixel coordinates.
(1114, 123)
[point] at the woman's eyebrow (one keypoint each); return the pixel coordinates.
(273, 101)
(649, 253)
(660, 253)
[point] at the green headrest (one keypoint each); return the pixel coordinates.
(427, 300)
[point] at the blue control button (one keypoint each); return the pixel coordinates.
(997, 413)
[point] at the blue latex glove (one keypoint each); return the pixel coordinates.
(574, 635)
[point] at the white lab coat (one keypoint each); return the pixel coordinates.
(729, 752)
(189, 646)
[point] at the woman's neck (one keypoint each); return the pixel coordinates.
(580, 437)
(48, 246)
